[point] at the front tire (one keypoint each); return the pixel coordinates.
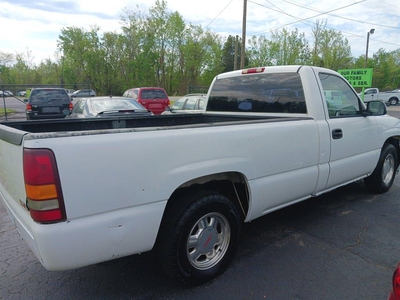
(383, 176)
(199, 237)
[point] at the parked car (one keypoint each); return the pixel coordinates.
(48, 103)
(21, 93)
(389, 97)
(154, 99)
(107, 107)
(70, 91)
(191, 103)
(83, 93)
(395, 293)
(6, 93)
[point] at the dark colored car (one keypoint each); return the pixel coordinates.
(395, 293)
(154, 99)
(94, 107)
(48, 103)
(83, 93)
(192, 103)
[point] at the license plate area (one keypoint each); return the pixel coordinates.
(50, 109)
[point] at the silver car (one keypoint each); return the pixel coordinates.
(95, 107)
(83, 93)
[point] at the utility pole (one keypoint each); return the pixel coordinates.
(243, 35)
(235, 64)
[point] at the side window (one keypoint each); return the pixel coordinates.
(78, 108)
(191, 104)
(371, 91)
(340, 98)
(135, 94)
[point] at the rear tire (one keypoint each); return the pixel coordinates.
(393, 101)
(199, 237)
(383, 176)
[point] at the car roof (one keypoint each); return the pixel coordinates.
(48, 88)
(108, 98)
(145, 88)
(196, 94)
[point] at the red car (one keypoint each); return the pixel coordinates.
(154, 99)
(395, 293)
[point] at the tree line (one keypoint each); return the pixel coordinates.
(157, 48)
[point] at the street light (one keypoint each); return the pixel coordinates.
(366, 52)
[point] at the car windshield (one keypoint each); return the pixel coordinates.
(112, 105)
(40, 96)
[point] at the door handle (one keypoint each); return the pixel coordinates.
(337, 134)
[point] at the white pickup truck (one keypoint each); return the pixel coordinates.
(82, 192)
(389, 97)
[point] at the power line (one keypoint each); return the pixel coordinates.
(305, 20)
(219, 14)
(299, 19)
(341, 17)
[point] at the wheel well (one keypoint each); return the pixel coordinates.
(233, 185)
(395, 142)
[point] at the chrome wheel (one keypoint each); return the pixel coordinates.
(199, 236)
(383, 176)
(388, 169)
(208, 241)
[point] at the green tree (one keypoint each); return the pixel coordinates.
(331, 50)
(212, 62)
(82, 52)
(228, 54)
(259, 54)
(289, 48)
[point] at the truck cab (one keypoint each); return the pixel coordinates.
(370, 94)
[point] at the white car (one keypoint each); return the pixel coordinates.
(6, 93)
(191, 103)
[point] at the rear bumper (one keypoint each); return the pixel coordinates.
(89, 240)
(33, 116)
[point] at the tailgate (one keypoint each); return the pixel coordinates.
(12, 186)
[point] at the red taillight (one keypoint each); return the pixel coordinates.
(42, 186)
(29, 107)
(395, 295)
(253, 70)
(71, 106)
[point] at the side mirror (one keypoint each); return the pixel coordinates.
(26, 100)
(376, 108)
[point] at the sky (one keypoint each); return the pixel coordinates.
(33, 27)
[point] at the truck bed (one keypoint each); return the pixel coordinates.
(72, 127)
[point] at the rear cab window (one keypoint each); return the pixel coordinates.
(262, 92)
